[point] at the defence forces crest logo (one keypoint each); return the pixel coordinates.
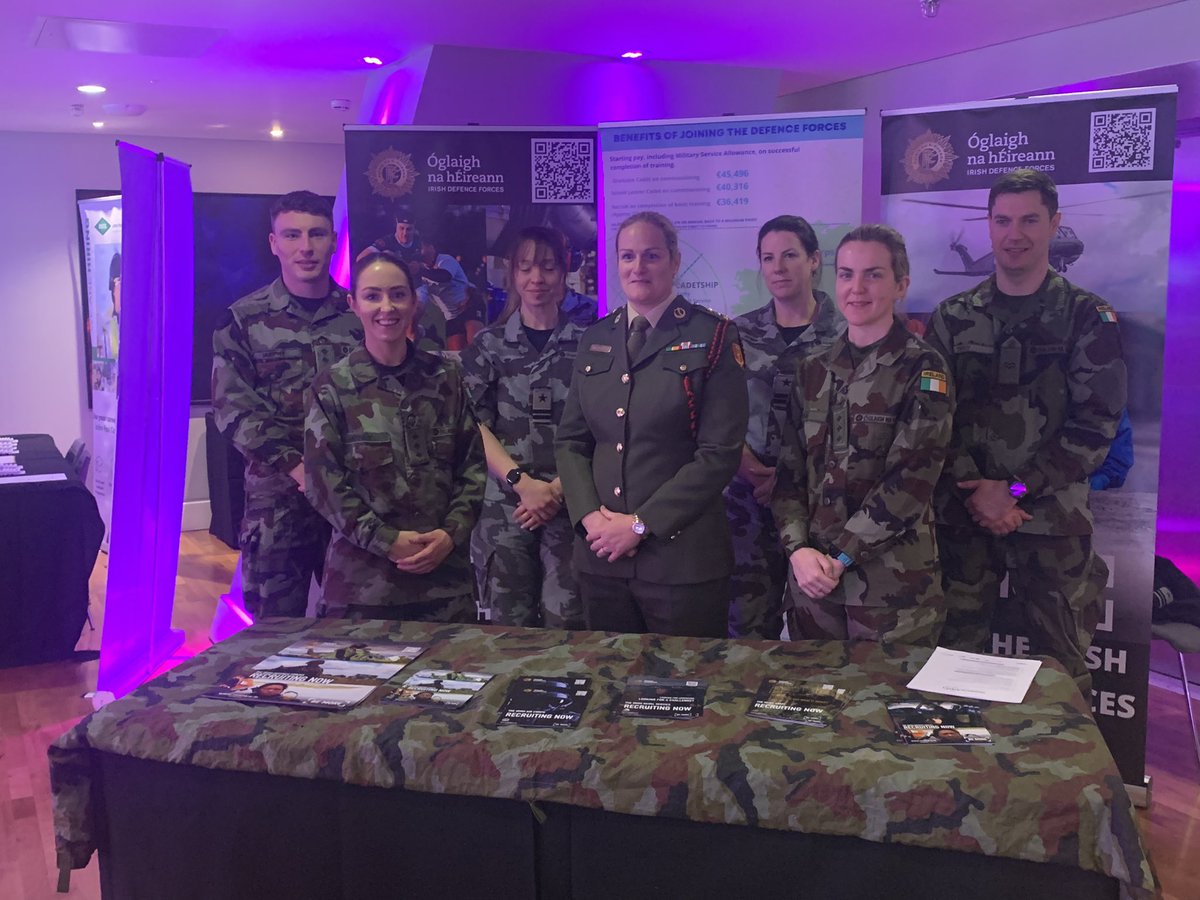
(392, 173)
(929, 158)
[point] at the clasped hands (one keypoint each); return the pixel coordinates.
(816, 573)
(540, 502)
(420, 552)
(992, 507)
(610, 534)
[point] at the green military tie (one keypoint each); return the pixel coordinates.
(637, 336)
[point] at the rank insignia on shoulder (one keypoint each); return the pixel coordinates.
(601, 348)
(935, 381)
(680, 312)
(1107, 313)
(688, 345)
(738, 356)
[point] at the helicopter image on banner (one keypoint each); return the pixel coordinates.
(1066, 247)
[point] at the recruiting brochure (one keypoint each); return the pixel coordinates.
(798, 702)
(306, 681)
(439, 687)
(662, 698)
(941, 722)
(541, 702)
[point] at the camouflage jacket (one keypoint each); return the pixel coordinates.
(1041, 387)
(266, 353)
(625, 441)
(863, 450)
(771, 368)
(519, 393)
(1045, 790)
(389, 450)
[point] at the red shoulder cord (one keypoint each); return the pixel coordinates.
(714, 353)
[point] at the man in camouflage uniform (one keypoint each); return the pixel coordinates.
(392, 449)
(868, 425)
(1041, 384)
(266, 352)
(518, 391)
(760, 565)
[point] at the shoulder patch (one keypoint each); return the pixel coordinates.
(739, 356)
(1107, 313)
(934, 381)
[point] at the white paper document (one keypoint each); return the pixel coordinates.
(32, 479)
(975, 675)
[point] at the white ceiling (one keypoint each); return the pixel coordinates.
(284, 61)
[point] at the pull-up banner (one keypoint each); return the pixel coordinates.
(718, 180)
(455, 199)
(1111, 154)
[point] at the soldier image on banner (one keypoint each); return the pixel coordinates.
(798, 322)
(868, 425)
(266, 353)
(651, 433)
(394, 461)
(518, 372)
(1042, 386)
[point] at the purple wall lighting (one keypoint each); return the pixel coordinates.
(152, 419)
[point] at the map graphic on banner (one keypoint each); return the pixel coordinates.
(455, 200)
(101, 221)
(719, 179)
(1111, 156)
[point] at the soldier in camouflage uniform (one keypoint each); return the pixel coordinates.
(1041, 383)
(518, 372)
(797, 323)
(868, 426)
(394, 461)
(266, 353)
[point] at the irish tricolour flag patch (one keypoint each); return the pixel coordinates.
(932, 380)
(1107, 313)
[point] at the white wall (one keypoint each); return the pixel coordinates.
(42, 387)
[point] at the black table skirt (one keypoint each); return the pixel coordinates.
(191, 833)
(50, 535)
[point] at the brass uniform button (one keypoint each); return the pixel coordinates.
(620, 412)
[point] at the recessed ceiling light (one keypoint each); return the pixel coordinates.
(97, 124)
(373, 60)
(632, 54)
(91, 89)
(276, 131)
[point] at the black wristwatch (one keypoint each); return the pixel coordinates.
(514, 476)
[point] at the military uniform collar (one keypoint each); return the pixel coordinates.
(280, 298)
(823, 322)
(886, 353)
(675, 311)
(513, 326)
(418, 364)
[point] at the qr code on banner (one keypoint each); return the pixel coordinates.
(1122, 141)
(564, 170)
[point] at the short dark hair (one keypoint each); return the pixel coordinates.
(881, 234)
(302, 202)
(795, 225)
(659, 221)
(365, 262)
(1018, 181)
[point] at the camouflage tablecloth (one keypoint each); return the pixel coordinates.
(1045, 790)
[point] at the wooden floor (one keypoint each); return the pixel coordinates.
(38, 703)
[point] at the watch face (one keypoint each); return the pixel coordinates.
(513, 477)
(639, 527)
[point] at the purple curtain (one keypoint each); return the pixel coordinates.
(152, 409)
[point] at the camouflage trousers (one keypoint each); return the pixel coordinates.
(830, 618)
(283, 541)
(1057, 581)
(457, 610)
(525, 577)
(760, 566)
